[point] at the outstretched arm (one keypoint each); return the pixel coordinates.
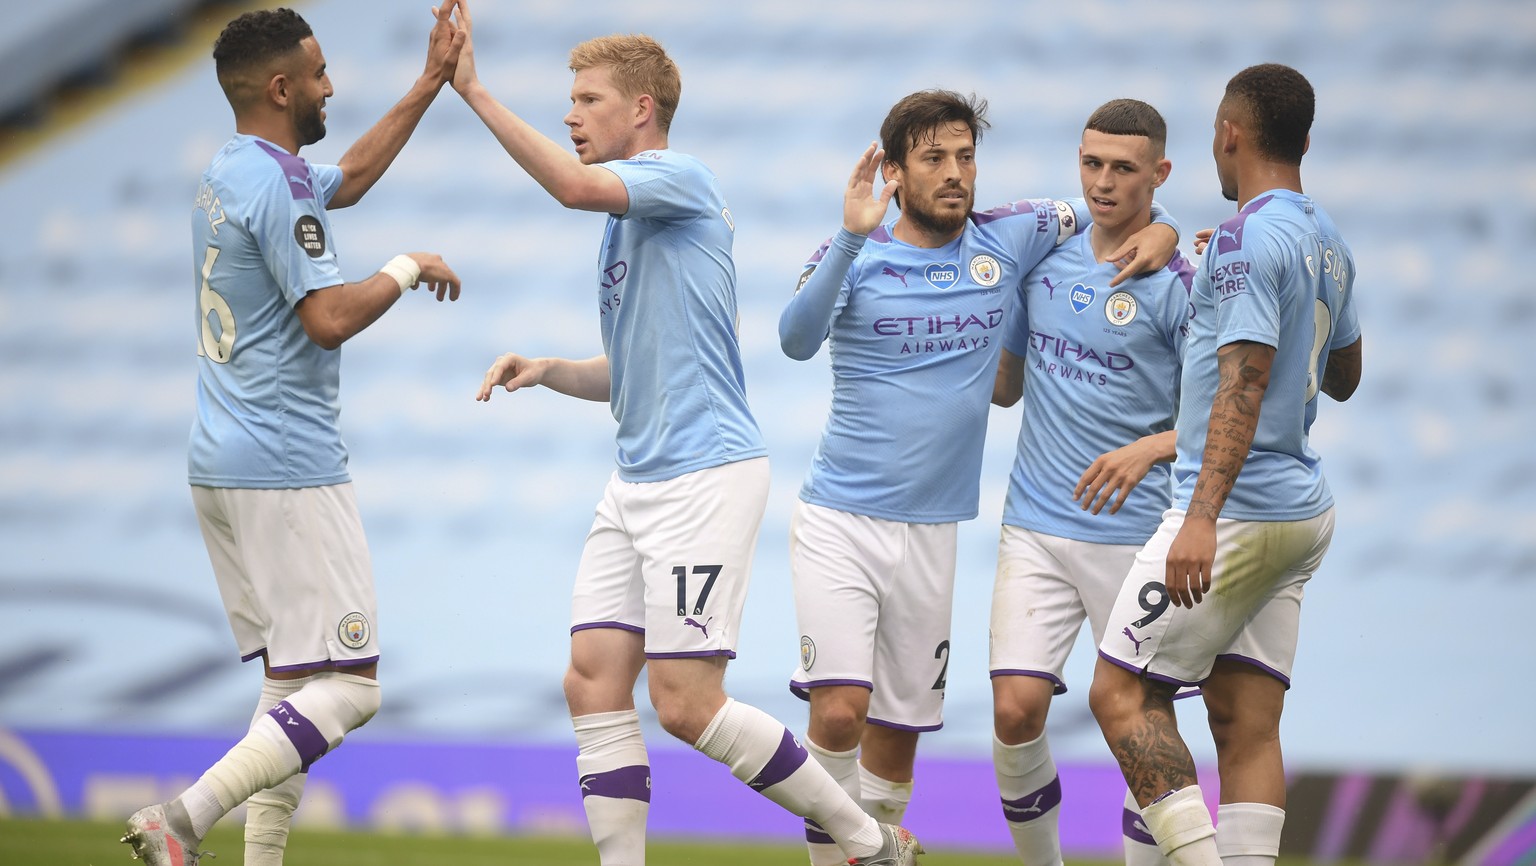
(334, 315)
(1243, 376)
(365, 161)
(564, 176)
(586, 378)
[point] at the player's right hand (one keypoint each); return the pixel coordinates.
(437, 276)
(512, 371)
(863, 209)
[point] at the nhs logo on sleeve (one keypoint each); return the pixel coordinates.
(942, 276)
(1081, 297)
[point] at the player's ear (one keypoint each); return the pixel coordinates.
(277, 90)
(645, 109)
(1160, 174)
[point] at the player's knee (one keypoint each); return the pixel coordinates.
(838, 725)
(1114, 695)
(680, 717)
(1018, 721)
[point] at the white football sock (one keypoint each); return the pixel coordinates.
(1248, 834)
(763, 753)
(269, 813)
(1031, 794)
(1182, 827)
(285, 740)
(887, 801)
(615, 777)
(1140, 848)
(843, 767)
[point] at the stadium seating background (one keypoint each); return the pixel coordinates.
(1413, 653)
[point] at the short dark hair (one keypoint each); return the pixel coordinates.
(921, 113)
(1130, 117)
(1279, 103)
(255, 39)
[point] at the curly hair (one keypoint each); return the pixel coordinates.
(1279, 103)
(252, 40)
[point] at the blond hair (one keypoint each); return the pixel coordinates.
(638, 66)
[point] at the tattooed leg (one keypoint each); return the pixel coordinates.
(1137, 718)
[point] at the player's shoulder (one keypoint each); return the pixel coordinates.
(1024, 211)
(258, 168)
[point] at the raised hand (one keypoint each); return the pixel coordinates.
(464, 75)
(444, 44)
(863, 209)
(1202, 239)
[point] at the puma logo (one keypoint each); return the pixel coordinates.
(701, 626)
(891, 272)
(1047, 281)
(1127, 632)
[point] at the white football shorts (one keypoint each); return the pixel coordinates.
(1045, 587)
(294, 572)
(873, 600)
(1251, 613)
(672, 559)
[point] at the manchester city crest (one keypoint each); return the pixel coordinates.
(807, 652)
(1120, 309)
(985, 271)
(354, 630)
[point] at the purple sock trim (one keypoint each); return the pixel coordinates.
(815, 835)
(786, 759)
(301, 732)
(625, 783)
(1134, 828)
(1034, 804)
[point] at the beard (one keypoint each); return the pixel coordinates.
(935, 222)
(310, 125)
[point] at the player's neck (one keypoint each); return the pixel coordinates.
(1104, 240)
(1261, 177)
(280, 134)
(911, 233)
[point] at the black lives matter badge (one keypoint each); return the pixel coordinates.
(310, 236)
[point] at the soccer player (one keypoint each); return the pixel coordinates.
(266, 462)
(664, 573)
(1096, 368)
(913, 312)
(1215, 595)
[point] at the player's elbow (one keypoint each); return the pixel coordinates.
(1004, 398)
(328, 338)
(798, 347)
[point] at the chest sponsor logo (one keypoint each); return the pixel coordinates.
(1081, 297)
(1120, 309)
(985, 271)
(942, 276)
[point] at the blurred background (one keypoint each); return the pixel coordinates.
(1413, 693)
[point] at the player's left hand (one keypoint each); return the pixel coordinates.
(444, 44)
(464, 74)
(1118, 471)
(1202, 240)
(1190, 560)
(1148, 250)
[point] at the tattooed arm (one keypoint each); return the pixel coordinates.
(1342, 375)
(1243, 374)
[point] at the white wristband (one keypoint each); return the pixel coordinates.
(404, 270)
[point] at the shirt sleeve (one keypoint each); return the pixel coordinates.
(823, 290)
(663, 189)
(1246, 283)
(1346, 327)
(327, 180)
(289, 225)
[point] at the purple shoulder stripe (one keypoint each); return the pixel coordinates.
(295, 170)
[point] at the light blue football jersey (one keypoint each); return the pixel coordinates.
(667, 306)
(914, 338)
(267, 409)
(1278, 273)
(1101, 370)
